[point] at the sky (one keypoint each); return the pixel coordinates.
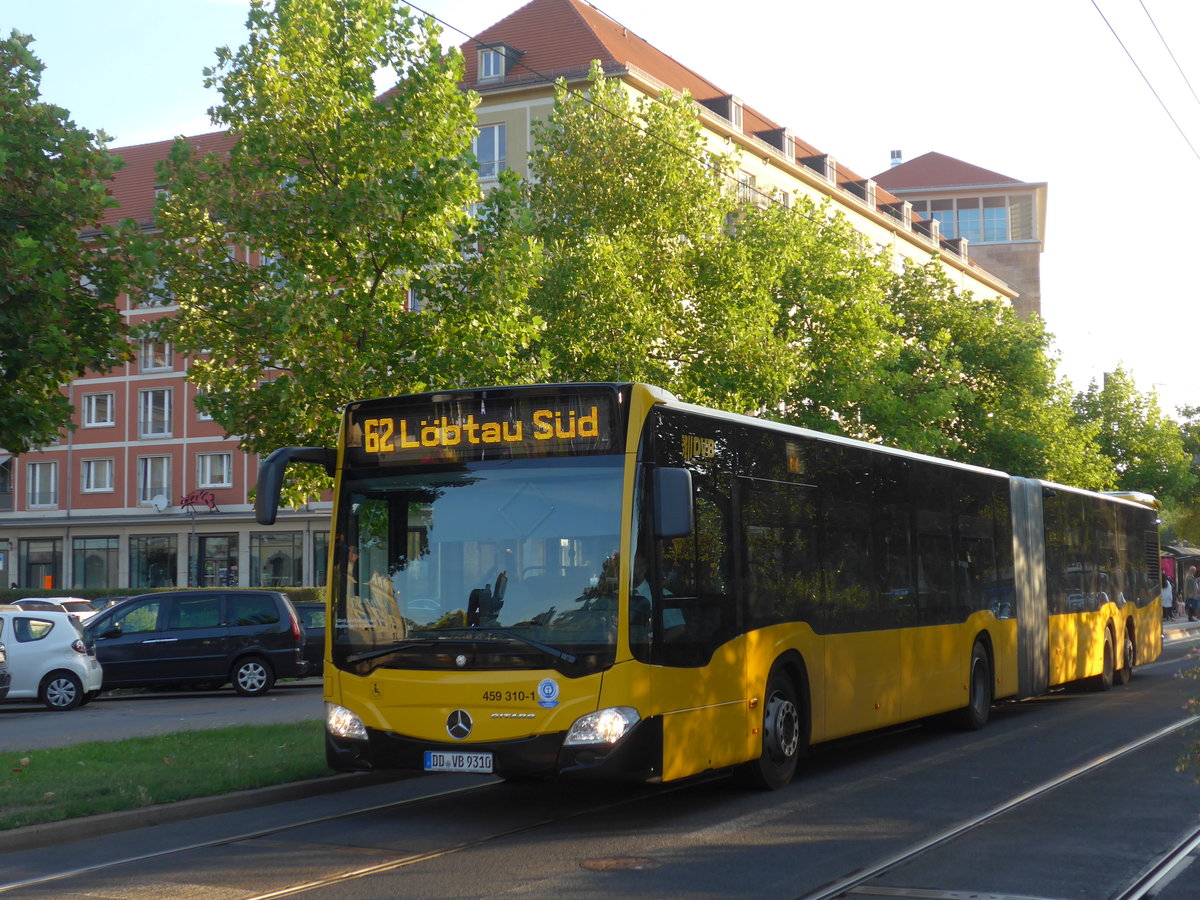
(1084, 95)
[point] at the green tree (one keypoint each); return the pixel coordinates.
(641, 279)
(829, 295)
(1145, 447)
(347, 200)
(58, 316)
(976, 383)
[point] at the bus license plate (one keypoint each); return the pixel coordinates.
(443, 761)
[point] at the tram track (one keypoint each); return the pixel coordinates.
(355, 874)
(858, 883)
(540, 824)
(411, 802)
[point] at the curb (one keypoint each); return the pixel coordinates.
(32, 837)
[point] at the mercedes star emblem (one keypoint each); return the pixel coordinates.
(458, 724)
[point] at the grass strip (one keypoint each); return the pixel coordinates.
(39, 786)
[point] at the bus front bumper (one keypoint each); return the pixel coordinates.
(636, 757)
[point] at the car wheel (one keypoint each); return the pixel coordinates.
(61, 691)
(252, 676)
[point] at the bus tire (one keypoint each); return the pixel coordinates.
(1104, 681)
(1124, 674)
(975, 714)
(784, 733)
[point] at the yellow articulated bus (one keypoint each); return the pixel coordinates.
(601, 580)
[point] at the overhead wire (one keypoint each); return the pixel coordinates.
(1146, 78)
(1182, 74)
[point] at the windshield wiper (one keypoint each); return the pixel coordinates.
(549, 650)
(386, 651)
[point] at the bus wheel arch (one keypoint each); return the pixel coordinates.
(980, 689)
(1124, 673)
(786, 724)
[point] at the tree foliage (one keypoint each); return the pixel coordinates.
(348, 201)
(58, 316)
(976, 383)
(641, 279)
(1144, 446)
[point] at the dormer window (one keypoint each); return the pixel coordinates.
(491, 65)
(494, 61)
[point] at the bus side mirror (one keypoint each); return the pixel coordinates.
(270, 476)
(672, 502)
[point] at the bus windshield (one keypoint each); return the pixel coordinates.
(499, 565)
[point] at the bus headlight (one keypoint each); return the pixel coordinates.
(605, 726)
(342, 723)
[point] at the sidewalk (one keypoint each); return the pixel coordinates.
(1179, 629)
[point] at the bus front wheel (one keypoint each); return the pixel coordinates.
(784, 735)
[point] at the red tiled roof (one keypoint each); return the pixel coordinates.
(936, 170)
(558, 38)
(133, 186)
(555, 38)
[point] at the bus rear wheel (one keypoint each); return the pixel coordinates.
(1128, 658)
(1104, 681)
(975, 714)
(784, 734)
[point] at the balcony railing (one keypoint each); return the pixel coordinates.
(491, 168)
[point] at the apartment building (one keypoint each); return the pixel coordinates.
(145, 492)
(1003, 219)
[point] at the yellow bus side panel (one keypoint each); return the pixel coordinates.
(862, 682)
(705, 713)
(1003, 633)
(933, 664)
(503, 705)
(1077, 645)
(1147, 632)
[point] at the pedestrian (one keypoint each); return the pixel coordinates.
(1168, 597)
(1189, 593)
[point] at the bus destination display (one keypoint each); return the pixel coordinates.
(462, 428)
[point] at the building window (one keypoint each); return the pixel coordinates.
(214, 470)
(275, 559)
(97, 476)
(94, 562)
(6, 486)
(492, 64)
(98, 409)
(217, 560)
(970, 224)
(153, 561)
(43, 485)
(155, 413)
(155, 356)
(942, 211)
(987, 220)
(201, 416)
(40, 563)
(491, 148)
(154, 478)
(995, 219)
(157, 295)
